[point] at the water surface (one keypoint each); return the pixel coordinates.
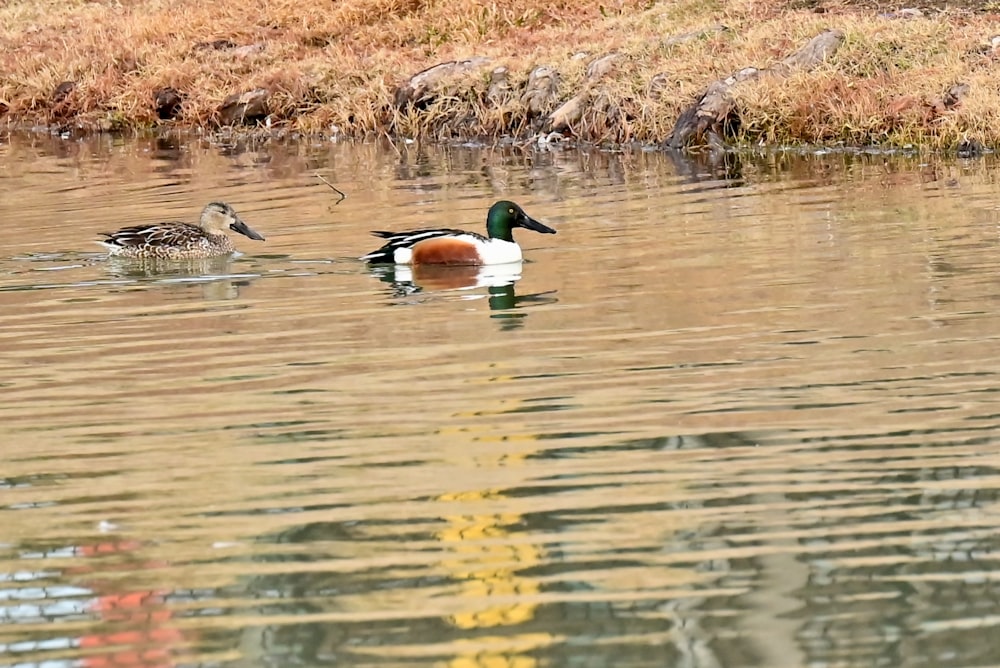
(741, 414)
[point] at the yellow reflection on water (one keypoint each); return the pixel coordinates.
(488, 562)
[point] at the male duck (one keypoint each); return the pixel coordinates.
(458, 247)
(181, 241)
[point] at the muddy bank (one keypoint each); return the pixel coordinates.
(675, 74)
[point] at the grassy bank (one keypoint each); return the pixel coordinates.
(337, 67)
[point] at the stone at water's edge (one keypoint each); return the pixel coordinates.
(708, 118)
(62, 91)
(167, 102)
(244, 108)
(416, 91)
(540, 93)
(499, 92)
(570, 113)
(61, 102)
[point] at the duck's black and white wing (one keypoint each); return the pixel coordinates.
(407, 240)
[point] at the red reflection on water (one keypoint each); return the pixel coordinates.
(140, 633)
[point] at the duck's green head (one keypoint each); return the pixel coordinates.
(504, 216)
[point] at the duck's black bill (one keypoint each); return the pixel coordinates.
(530, 223)
(246, 230)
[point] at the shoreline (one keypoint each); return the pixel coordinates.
(679, 75)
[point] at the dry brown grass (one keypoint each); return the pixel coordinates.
(337, 64)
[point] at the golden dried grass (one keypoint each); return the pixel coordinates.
(338, 64)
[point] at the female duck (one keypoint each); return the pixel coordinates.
(457, 247)
(181, 241)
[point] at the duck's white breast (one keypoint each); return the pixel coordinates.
(497, 251)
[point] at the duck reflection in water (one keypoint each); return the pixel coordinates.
(410, 279)
(215, 275)
(498, 279)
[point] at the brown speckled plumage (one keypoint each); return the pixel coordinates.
(180, 241)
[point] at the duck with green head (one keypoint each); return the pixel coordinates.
(458, 247)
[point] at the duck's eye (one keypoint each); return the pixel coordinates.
(510, 210)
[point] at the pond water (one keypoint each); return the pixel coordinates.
(735, 414)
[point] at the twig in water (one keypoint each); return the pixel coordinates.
(335, 189)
